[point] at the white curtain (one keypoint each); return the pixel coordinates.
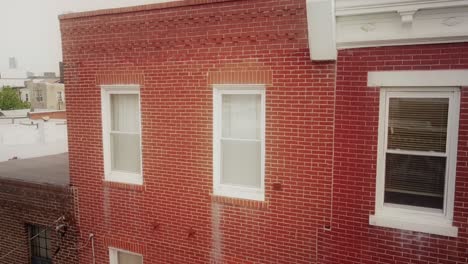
(125, 134)
(124, 113)
(241, 141)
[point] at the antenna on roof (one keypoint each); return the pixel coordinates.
(13, 63)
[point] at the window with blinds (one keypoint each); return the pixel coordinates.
(416, 151)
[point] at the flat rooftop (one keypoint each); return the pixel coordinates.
(43, 170)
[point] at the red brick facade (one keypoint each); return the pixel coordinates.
(51, 115)
(352, 239)
(23, 204)
(320, 138)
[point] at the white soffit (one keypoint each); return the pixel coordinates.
(367, 23)
(433, 78)
(321, 26)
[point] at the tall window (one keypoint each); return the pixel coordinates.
(124, 257)
(40, 245)
(122, 134)
(239, 144)
(59, 96)
(39, 97)
(417, 154)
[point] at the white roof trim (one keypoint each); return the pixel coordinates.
(360, 7)
(321, 28)
(439, 78)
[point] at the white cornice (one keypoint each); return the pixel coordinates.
(426, 26)
(433, 78)
(361, 7)
(401, 42)
(371, 23)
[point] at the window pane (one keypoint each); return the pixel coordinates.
(241, 163)
(241, 116)
(418, 124)
(125, 258)
(125, 115)
(415, 180)
(125, 152)
(40, 245)
(43, 252)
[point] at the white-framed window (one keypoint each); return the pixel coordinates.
(121, 125)
(417, 153)
(239, 141)
(119, 256)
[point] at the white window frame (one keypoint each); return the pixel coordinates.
(415, 218)
(114, 258)
(230, 190)
(109, 174)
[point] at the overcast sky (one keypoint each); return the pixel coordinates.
(30, 29)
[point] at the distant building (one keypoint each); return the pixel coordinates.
(14, 77)
(37, 208)
(46, 94)
(44, 84)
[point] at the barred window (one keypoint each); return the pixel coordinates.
(40, 245)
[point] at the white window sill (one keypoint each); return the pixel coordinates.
(124, 177)
(441, 228)
(239, 192)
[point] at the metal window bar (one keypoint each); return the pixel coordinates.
(40, 244)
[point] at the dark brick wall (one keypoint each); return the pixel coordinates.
(23, 204)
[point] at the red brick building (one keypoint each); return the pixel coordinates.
(205, 131)
(37, 212)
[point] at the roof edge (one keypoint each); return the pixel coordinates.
(138, 8)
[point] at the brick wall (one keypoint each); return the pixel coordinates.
(49, 114)
(175, 54)
(351, 239)
(176, 51)
(23, 204)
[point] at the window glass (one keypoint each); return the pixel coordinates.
(40, 245)
(126, 258)
(418, 124)
(241, 163)
(125, 116)
(240, 142)
(415, 162)
(125, 151)
(125, 133)
(415, 180)
(241, 116)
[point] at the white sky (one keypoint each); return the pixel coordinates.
(30, 29)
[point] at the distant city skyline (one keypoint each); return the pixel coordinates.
(31, 34)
